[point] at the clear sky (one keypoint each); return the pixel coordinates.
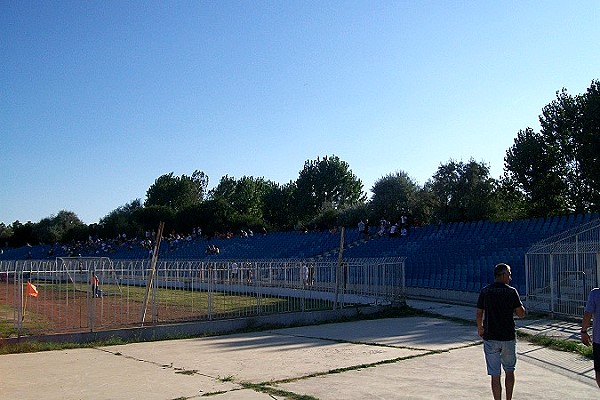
(100, 98)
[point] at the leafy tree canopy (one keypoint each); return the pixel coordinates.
(558, 168)
(394, 195)
(462, 191)
(325, 181)
(177, 192)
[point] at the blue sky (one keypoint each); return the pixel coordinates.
(100, 98)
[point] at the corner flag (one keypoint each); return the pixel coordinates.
(31, 290)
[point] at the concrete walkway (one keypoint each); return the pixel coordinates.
(394, 358)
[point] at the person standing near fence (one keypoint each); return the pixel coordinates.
(591, 315)
(496, 305)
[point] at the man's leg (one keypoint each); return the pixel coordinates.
(496, 387)
(596, 350)
(509, 362)
(491, 349)
(509, 384)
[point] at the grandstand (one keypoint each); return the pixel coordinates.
(454, 258)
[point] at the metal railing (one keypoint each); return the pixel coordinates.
(91, 294)
(562, 269)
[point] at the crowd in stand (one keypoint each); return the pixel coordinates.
(385, 229)
(95, 246)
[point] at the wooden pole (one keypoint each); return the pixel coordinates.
(151, 272)
(25, 306)
(338, 275)
(19, 280)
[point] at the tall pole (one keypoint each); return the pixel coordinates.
(151, 272)
(338, 275)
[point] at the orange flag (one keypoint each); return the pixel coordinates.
(31, 290)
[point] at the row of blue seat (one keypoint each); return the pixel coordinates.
(461, 256)
(443, 256)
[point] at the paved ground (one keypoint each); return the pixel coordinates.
(395, 358)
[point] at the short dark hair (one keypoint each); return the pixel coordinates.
(500, 268)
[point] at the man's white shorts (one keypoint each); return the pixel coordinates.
(500, 353)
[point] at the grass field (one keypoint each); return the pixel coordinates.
(64, 307)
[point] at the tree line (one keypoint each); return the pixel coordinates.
(553, 171)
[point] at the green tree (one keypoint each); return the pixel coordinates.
(325, 182)
(509, 202)
(533, 165)
(56, 229)
(589, 152)
(6, 234)
(149, 218)
(121, 220)
(23, 233)
(277, 206)
(425, 207)
(245, 197)
(214, 216)
(558, 168)
(177, 192)
(462, 192)
(394, 195)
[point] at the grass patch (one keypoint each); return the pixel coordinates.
(32, 322)
(33, 347)
(187, 372)
(558, 344)
(265, 388)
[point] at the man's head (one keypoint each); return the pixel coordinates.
(502, 273)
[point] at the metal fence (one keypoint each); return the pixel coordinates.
(561, 270)
(90, 294)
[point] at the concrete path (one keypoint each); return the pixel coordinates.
(395, 358)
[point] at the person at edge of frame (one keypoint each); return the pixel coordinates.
(591, 315)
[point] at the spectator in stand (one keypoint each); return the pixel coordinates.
(361, 229)
(311, 275)
(249, 273)
(305, 275)
(383, 228)
(235, 272)
(212, 249)
(404, 223)
(394, 230)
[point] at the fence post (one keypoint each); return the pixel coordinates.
(149, 282)
(597, 269)
(91, 296)
(19, 281)
(210, 290)
(339, 270)
(552, 284)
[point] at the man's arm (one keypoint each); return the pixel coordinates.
(479, 318)
(520, 311)
(585, 324)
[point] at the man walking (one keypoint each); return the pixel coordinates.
(591, 314)
(497, 304)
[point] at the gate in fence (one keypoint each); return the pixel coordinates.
(561, 270)
(40, 297)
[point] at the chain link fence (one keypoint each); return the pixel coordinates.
(39, 297)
